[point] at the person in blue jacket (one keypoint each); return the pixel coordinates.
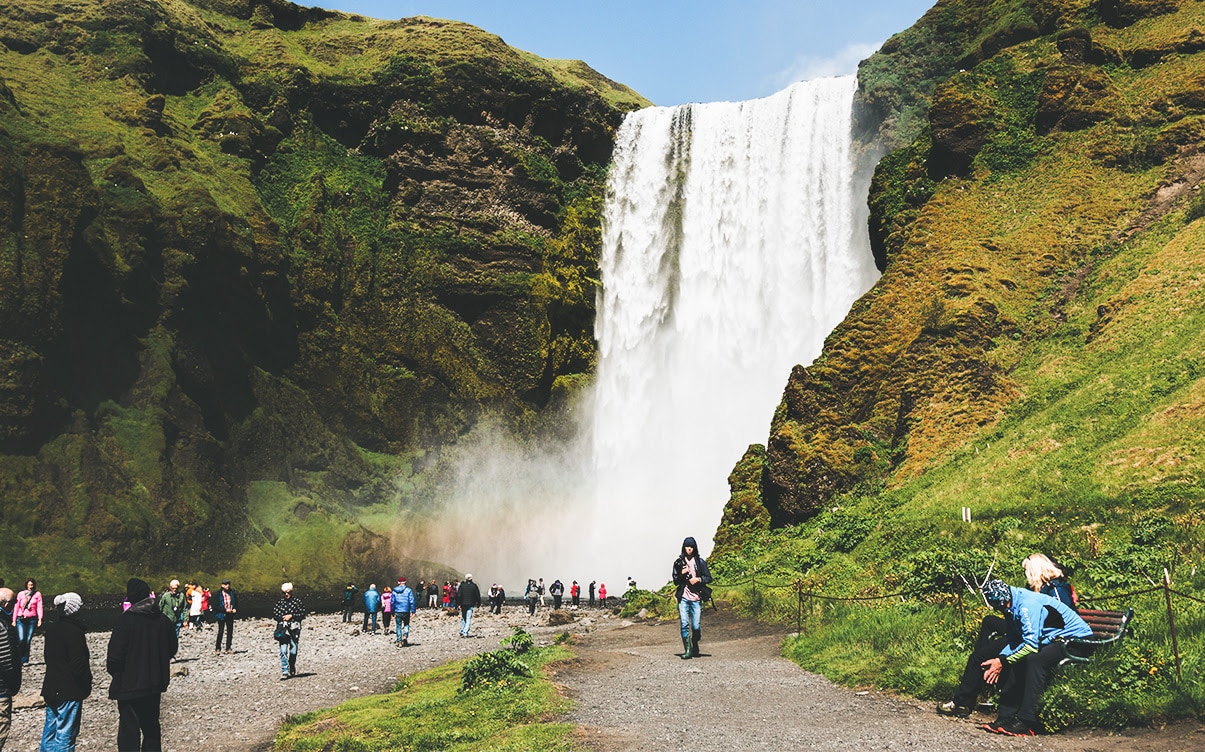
(1037, 626)
(403, 607)
(372, 604)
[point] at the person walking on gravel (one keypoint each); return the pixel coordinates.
(141, 647)
(225, 611)
(691, 576)
(403, 607)
(468, 597)
(288, 612)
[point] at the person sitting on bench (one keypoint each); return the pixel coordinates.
(1036, 626)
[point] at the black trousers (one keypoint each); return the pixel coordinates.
(1022, 683)
(225, 625)
(988, 645)
(138, 724)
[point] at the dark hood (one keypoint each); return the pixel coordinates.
(689, 542)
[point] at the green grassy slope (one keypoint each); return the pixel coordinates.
(1033, 352)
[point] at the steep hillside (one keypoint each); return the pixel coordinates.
(256, 258)
(1033, 351)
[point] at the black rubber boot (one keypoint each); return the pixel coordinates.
(687, 648)
(695, 635)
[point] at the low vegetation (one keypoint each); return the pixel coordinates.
(498, 700)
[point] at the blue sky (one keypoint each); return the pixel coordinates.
(677, 51)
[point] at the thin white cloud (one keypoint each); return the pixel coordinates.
(806, 67)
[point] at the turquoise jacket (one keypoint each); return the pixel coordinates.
(1032, 626)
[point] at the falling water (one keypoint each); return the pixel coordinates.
(733, 244)
(734, 241)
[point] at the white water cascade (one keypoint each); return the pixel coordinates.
(734, 241)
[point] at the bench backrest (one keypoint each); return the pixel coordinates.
(1107, 626)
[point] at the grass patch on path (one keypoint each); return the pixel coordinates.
(429, 711)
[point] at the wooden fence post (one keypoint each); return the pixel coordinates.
(1171, 620)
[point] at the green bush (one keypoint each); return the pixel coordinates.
(520, 642)
(496, 669)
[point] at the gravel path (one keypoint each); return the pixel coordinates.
(236, 701)
(632, 690)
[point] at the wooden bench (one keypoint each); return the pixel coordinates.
(1108, 627)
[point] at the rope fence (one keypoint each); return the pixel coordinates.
(802, 595)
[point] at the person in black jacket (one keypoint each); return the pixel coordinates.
(68, 679)
(691, 576)
(468, 597)
(10, 663)
(139, 658)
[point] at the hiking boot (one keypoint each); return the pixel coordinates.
(1017, 727)
(996, 726)
(954, 709)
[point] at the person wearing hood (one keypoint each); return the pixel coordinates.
(68, 679)
(691, 575)
(10, 663)
(139, 656)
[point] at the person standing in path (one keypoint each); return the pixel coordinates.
(530, 596)
(10, 663)
(386, 608)
(139, 656)
(196, 607)
(691, 575)
(288, 612)
(27, 616)
(171, 603)
(432, 594)
(557, 591)
(575, 594)
(468, 597)
(403, 606)
(225, 610)
(349, 601)
(591, 593)
(602, 594)
(68, 679)
(372, 605)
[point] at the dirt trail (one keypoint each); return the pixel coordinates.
(634, 692)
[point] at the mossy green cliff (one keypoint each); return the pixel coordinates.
(256, 259)
(1034, 352)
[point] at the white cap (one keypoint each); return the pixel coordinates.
(287, 587)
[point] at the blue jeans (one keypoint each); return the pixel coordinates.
(25, 628)
(374, 621)
(466, 620)
(288, 655)
(689, 615)
(401, 627)
(61, 727)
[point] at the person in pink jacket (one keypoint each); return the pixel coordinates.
(27, 616)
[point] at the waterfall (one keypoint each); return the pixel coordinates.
(734, 241)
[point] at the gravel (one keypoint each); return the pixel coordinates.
(632, 690)
(236, 701)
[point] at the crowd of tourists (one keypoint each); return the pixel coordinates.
(146, 637)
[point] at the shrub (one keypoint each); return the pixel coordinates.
(520, 642)
(496, 669)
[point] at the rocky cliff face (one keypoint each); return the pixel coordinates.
(246, 246)
(1036, 145)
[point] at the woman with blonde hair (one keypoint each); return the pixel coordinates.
(1046, 577)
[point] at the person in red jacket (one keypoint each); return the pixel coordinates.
(575, 593)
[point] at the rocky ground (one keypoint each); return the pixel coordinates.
(631, 689)
(236, 701)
